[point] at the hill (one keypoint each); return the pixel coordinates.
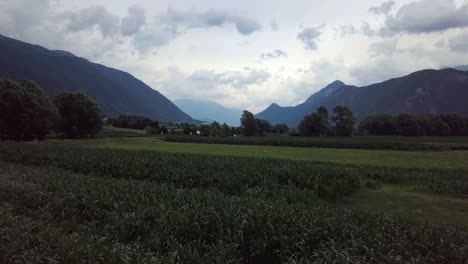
(422, 92)
(209, 111)
(117, 92)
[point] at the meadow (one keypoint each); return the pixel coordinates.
(145, 200)
(356, 142)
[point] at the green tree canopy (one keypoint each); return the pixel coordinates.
(311, 125)
(26, 113)
(344, 121)
(248, 124)
(80, 117)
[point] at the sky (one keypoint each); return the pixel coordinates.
(248, 54)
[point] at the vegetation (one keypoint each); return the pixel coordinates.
(357, 142)
(80, 117)
(248, 124)
(133, 122)
(112, 206)
(26, 113)
(318, 123)
(344, 121)
(416, 125)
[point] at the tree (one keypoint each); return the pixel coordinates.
(457, 124)
(26, 113)
(409, 126)
(344, 121)
(164, 130)
(248, 124)
(186, 128)
(311, 125)
(380, 125)
(205, 130)
(325, 123)
(80, 116)
(263, 127)
(280, 128)
(225, 130)
(437, 126)
(215, 129)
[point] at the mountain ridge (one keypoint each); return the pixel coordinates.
(422, 92)
(117, 92)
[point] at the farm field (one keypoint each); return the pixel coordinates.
(144, 200)
(388, 158)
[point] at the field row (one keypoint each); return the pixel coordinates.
(230, 174)
(358, 142)
(52, 215)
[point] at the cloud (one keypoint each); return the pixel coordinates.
(175, 23)
(20, 16)
(384, 8)
(93, 16)
(234, 88)
(459, 43)
(426, 16)
(180, 21)
(309, 36)
(132, 23)
(274, 25)
(272, 55)
(384, 47)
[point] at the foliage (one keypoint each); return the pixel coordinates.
(79, 115)
(357, 142)
(148, 213)
(415, 125)
(344, 121)
(263, 127)
(26, 113)
(311, 125)
(248, 124)
(134, 122)
(280, 128)
(226, 174)
(315, 124)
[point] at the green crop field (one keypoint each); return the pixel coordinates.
(144, 200)
(390, 158)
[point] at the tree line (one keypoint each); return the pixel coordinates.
(26, 114)
(449, 124)
(319, 123)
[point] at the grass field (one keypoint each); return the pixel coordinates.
(390, 158)
(355, 142)
(144, 200)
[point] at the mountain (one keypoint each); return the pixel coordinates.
(209, 111)
(461, 67)
(293, 115)
(422, 92)
(117, 92)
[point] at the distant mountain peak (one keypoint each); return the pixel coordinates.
(273, 106)
(337, 83)
(421, 92)
(461, 67)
